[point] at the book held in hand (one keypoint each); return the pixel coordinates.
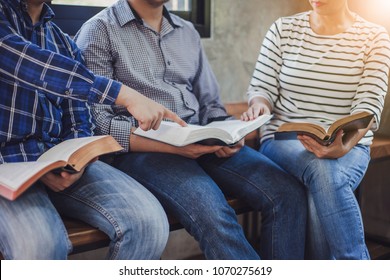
(224, 133)
(71, 156)
(323, 135)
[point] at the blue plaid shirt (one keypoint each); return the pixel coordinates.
(44, 85)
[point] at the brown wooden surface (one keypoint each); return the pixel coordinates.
(85, 237)
(380, 147)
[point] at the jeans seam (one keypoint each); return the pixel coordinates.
(184, 209)
(274, 239)
(359, 218)
(64, 231)
(2, 250)
(105, 214)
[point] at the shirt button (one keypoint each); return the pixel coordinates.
(173, 84)
(168, 62)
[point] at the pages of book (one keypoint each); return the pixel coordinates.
(15, 174)
(65, 149)
(228, 132)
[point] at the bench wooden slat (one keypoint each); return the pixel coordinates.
(380, 147)
(85, 237)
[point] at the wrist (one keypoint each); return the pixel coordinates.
(260, 101)
(126, 96)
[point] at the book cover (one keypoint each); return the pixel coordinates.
(71, 155)
(324, 135)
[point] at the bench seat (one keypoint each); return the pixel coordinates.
(85, 238)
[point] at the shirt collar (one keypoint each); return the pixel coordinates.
(126, 14)
(46, 15)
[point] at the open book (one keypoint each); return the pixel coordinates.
(323, 135)
(71, 156)
(227, 132)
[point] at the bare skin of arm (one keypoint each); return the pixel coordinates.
(193, 151)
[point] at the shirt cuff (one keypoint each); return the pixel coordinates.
(104, 90)
(120, 129)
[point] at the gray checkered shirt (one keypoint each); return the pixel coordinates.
(169, 67)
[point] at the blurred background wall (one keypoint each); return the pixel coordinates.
(239, 26)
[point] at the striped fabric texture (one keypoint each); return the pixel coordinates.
(316, 78)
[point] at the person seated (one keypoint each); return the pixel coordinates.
(46, 92)
(142, 45)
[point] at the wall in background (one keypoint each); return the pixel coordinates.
(377, 11)
(238, 28)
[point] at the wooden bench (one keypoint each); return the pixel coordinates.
(85, 237)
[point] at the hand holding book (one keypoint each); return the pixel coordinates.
(324, 136)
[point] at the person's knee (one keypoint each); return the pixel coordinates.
(143, 235)
(323, 175)
(153, 225)
(43, 245)
(141, 225)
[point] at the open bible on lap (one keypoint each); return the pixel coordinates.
(324, 136)
(227, 132)
(70, 156)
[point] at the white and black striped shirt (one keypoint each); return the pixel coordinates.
(320, 78)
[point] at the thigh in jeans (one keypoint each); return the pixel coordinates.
(121, 207)
(30, 227)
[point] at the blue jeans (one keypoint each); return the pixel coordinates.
(191, 190)
(335, 227)
(31, 228)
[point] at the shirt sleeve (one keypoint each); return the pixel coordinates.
(265, 82)
(206, 90)
(372, 88)
(115, 121)
(77, 119)
(53, 74)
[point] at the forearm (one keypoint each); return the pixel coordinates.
(141, 144)
(260, 100)
(192, 151)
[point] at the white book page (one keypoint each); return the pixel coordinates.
(65, 149)
(229, 131)
(13, 175)
(168, 132)
(238, 128)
